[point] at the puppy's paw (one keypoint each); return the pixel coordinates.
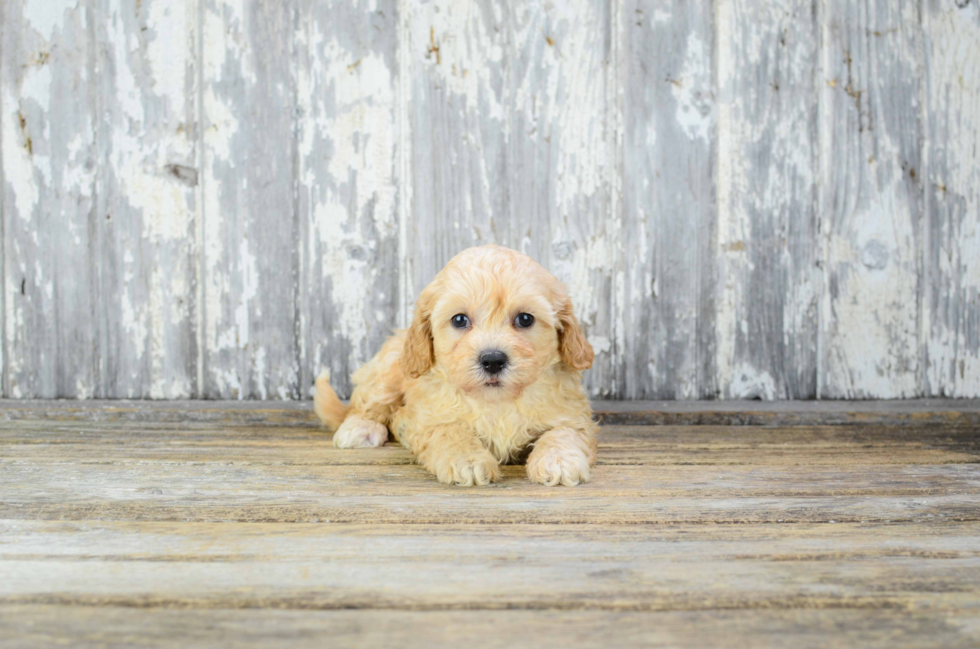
(358, 432)
(477, 468)
(554, 466)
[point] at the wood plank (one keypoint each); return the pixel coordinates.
(951, 304)
(250, 232)
(915, 412)
(3, 228)
(148, 199)
(767, 286)
(871, 203)
(850, 446)
(54, 347)
(668, 197)
(348, 209)
(618, 494)
(36, 625)
(414, 568)
(509, 144)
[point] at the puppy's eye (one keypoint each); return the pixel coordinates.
(523, 320)
(460, 321)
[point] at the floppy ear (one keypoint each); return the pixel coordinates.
(418, 354)
(572, 343)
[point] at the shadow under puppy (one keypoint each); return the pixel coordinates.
(488, 369)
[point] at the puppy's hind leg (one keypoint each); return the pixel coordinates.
(351, 430)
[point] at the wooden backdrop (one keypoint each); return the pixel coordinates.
(215, 198)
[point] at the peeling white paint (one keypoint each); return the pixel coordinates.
(47, 17)
(222, 125)
(547, 68)
(732, 222)
(693, 90)
(451, 33)
(952, 157)
(871, 327)
(235, 334)
(151, 55)
(18, 165)
(83, 391)
(172, 23)
(258, 362)
(600, 344)
(352, 192)
(749, 383)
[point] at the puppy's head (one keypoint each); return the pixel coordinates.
(492, 321)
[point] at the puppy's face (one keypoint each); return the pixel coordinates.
(492, 321)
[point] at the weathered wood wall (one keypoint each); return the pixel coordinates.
(215, 198)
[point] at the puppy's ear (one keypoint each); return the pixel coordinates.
(572, 343)
(418, 355)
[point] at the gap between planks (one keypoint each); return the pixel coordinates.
(32, 626)
(725, 413)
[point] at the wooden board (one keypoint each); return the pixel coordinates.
(586, 567)
(871, 202)
(767, 287)
(250, 233)
(669, 197)
(148, 201)
(211, 472)
(52, 229)
(951, 300)
(31, 626)
(356, 494)
(347, 196)
(859, 447)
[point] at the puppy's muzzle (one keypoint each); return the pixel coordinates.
(493, 361)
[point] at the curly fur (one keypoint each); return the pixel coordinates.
(427, 387)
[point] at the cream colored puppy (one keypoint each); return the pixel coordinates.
(489, 368)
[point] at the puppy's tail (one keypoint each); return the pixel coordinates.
(327, 405)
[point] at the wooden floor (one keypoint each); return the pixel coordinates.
(194, 525)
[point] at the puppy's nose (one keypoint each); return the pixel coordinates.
(493, 361)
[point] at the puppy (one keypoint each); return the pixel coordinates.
(489, 369)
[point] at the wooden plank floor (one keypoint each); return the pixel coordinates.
(227, 525)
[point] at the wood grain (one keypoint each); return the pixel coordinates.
(518, 567)
(951, 304)
(211, 199)
(669, 197)
(147, 197)
(766, 295)
(855, 447)
(347, 197)
(209, 472)
(508, 141)
(250, 233)
(34, 625)
(210, 531)
(871, 202)
(52, 230)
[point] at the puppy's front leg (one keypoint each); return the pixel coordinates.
(562, 456)
(455, 456)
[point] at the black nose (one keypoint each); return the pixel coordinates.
(493, 361)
